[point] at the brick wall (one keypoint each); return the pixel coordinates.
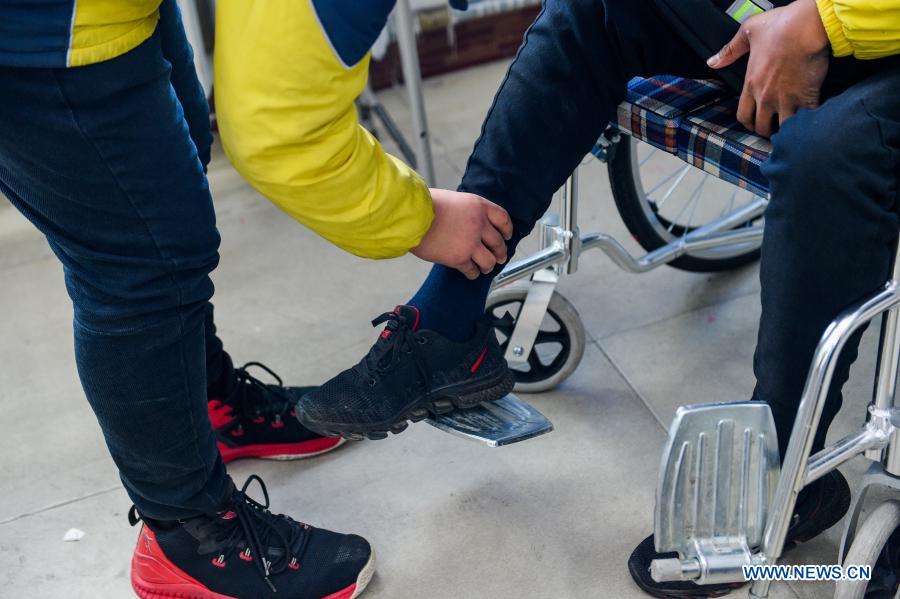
(476, 41)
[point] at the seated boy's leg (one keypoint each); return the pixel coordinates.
(557, 98)
(831, 231)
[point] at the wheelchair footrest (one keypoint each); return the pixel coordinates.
(495, 423)
(718, 473)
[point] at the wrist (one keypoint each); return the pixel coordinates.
(813, 35)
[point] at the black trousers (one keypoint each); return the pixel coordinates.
(832, 223)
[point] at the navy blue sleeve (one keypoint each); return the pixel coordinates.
(352, 25)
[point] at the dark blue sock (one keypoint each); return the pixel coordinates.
(450, 304)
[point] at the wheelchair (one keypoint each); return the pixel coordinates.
(723, 499)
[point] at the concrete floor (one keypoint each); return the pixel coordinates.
(552, 517)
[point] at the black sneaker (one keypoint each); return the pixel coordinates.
(407, 374)
(823, 507)
(247, 552)
(256, 419)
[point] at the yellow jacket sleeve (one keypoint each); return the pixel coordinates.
(288, 123)
(866, 29)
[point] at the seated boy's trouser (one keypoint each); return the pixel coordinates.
(108, 161)
(831, 225)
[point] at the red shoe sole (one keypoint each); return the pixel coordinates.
(281, 451)
(154, 576)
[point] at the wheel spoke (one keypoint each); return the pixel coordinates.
(551, 337)
(535, 363)
(648, 156)
(671, 189)
(695, 195)
(680, 174)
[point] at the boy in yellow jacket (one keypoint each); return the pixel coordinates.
(104, 142)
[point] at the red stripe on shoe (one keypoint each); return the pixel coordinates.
(154, 576)
(346, 593)
(480, 359)
(302, 449)
(418, 314)
(220, 413)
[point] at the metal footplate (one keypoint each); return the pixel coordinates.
(717, 477)
(494, 423)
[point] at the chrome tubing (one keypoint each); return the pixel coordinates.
(794, 469)
(412, 79)
(684, 245)
(568, 217)
(520, 269)
(886, 398)
(846, 449)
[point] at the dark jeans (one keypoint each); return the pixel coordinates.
(108, 163)
(832, 222)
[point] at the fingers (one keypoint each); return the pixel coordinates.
(730, 52)
(500, 219)
(469, 269)
(746, 112)
(484, 259)
(765, 116)
(786, 111)
(492, 239)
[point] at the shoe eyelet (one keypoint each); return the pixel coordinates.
(245, 555)
(219, 562)
(422, 340)
(372, 382)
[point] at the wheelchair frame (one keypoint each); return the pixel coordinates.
(561, 246)
(562, 243)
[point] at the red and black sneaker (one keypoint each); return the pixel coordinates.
(257, 420)
(408, 373)
(247, 552)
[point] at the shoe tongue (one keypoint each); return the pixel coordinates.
(410, 313)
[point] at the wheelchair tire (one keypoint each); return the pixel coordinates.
(867, 546)
(636, 212)
(561, 327)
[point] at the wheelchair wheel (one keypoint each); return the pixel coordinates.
(662, 198)
(560, 342)
(867, 546)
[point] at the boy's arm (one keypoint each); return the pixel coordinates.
(285, 104)
(866, 29)
(287, 75)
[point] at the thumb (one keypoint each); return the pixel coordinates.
(730, 52)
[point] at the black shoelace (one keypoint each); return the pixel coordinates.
(253, 527)
(398, 340)
(254, 398)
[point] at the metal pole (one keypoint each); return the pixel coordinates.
(568, 216)
(412, 77)
(885, 396)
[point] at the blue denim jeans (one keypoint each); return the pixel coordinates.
(108, 162)
(832, 221)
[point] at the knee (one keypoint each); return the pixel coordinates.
(116, 294)
(831, 161)
(803, 153)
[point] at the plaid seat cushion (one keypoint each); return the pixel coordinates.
(695, 119)
(712, 139)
